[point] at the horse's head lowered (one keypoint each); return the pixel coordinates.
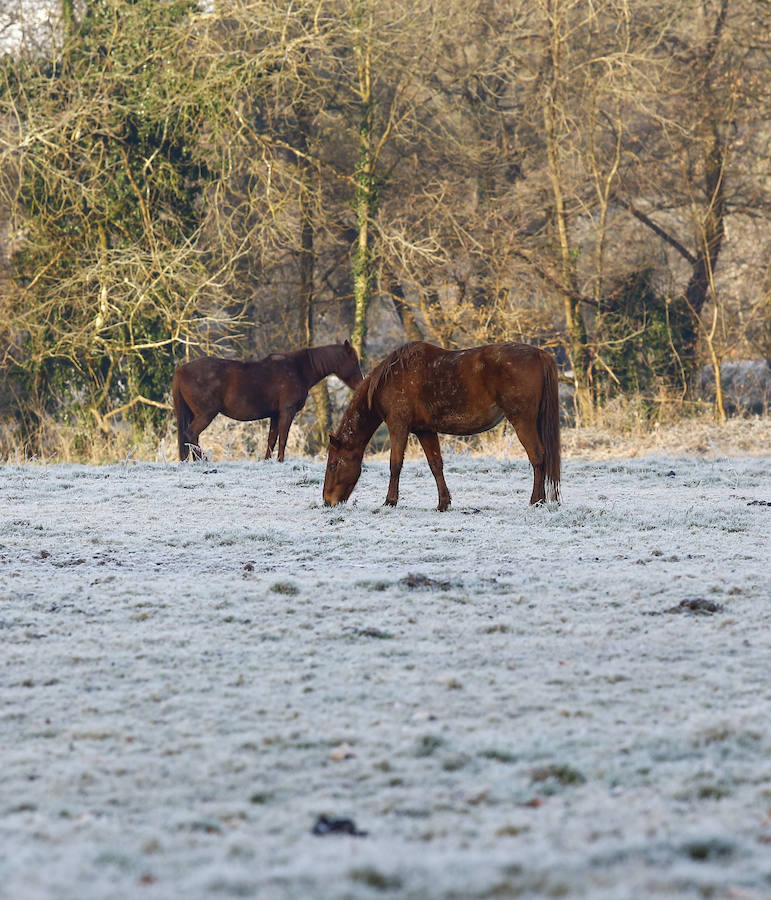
(343, 470)
(347, 368)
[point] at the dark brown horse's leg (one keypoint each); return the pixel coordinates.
(430, 444)
(527, 432)
(193, 431)
(284, 424)
(398, 445)
(272, 435)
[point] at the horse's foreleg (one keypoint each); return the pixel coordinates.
(430, 444)
(284, 424)
(527, 432)
(398, 446)
(272, 435)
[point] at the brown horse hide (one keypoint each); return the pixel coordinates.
(275, 387)
(425, 390)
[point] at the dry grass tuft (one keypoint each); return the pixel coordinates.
(689, 437)
(619, 434)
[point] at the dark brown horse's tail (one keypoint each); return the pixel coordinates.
(184, 416)
(549, 426)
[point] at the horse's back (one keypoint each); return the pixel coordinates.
(208, 370)
(434, 368)
(205, 382)
(459, 391)
(504, 353)
(247, 390)
(509, 355)
(520, 363)
(423, 387)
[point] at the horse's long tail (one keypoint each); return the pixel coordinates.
(184, 416)
(549, 426)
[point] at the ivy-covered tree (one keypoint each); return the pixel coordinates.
(637, 332)
(107, 192)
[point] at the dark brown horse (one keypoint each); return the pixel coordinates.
(423, 389)
(276, 386)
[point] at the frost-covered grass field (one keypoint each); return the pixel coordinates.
(200, 660)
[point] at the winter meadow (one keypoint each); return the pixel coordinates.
(214, 686)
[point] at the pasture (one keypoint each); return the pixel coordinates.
(199, 660)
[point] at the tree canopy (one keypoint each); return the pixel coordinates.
(245, 176)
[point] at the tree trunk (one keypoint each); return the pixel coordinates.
(365, 197)
(577, 340)
(710, 233)
(715, 361)
(68, 17)
(362, 274)
(403, 310)
(319, 392)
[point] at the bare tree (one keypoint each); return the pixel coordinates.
(249, 175)
(708, 97)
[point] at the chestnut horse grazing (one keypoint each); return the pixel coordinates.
(423, 389)
(276, 386)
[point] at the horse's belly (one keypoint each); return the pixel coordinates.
(245, 408)
(454, 422)
(242, 415)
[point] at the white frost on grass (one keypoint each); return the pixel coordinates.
(185, 645)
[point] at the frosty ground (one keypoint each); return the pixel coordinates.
(200, 660)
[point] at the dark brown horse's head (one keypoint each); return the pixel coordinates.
(343, 470)
(348, 369)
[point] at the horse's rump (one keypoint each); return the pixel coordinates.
(183, 414)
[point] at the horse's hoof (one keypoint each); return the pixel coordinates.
(389, 502)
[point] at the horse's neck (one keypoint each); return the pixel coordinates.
(318, 363)
(359, 423)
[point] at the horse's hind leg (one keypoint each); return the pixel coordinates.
(398, 435)
(193, 431)
(272, 435)
(430, 444)
(527, 432)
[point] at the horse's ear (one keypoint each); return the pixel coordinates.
(334, 440)
(347, 344)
